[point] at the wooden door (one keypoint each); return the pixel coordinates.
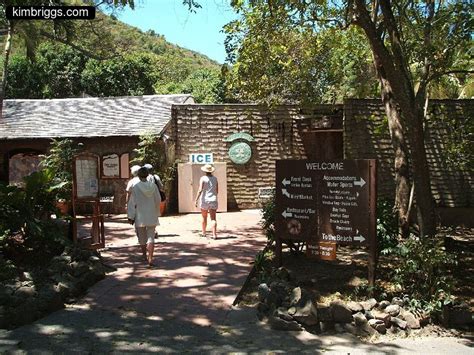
(188, 185)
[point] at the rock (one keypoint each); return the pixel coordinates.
(393, 310)
(400, 323)
(27, 276)
(262, 310)
(340, 312)
(368, 315)
(282, 273)
(398, 301)
(280, 288)
(384, 317)
(369, 304)
(26, 292)
(273, 300)
(326, 326)
(51, 298)
(295, 296)
(378, 325)
(411, 320)
(359, 319)
(263, 292)
(283, 314)
(384, 304)
(80, 268)
(307, 315)
(94, 258)
(281, 324)
(291, 310)
(355, 306)
(324, 313)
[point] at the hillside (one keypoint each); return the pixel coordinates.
(107, 58)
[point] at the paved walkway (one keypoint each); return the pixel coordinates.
(184, 303)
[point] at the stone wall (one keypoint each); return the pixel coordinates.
(366, 136)
(279, 134)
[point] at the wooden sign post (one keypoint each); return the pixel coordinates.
(86, 195)
(325, 203)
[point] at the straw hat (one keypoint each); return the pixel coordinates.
(208, 168)
(134, 170)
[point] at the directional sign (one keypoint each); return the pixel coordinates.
(326, 201)
(295, 201)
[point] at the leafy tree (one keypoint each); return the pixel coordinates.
(24, 79)
(277, 61)
(121, 76)
(413, 44)
(61, 68)
(205, 85)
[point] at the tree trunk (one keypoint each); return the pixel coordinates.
(425, 205)
(392, 70)
(401, 163)
(3, 86)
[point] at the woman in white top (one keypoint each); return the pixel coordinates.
(143, 209)
(206, 199)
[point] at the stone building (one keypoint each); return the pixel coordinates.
(355, 130)
(103, 126)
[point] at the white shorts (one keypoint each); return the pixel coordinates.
(211, 205)
(146, 235)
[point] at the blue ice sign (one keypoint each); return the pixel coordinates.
(201, 158)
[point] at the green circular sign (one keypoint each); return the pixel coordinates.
(240, 153)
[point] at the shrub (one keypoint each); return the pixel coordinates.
(268, 218)
(424, 272)
(387, 226)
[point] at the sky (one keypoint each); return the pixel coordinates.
(200, 31)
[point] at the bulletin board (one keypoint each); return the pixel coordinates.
(86, 177)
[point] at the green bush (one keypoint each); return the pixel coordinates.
(424, 272)
(58, 163)
(268, 218)
(387, 226)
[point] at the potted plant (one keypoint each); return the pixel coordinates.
(58, 162)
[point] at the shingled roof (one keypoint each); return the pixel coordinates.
(87, 117)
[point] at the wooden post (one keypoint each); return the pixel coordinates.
(373, 221)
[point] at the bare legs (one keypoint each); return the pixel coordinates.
(146, 238)
(213, 223)
(150, 248)
(204, 222)
(212, 214)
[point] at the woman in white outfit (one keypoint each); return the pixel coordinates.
(206, 199)
(143, 209)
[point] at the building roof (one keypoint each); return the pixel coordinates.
(88, 117)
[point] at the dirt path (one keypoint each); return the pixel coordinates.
(184, 303)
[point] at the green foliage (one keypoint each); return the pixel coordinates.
(122, 76)
(24, 80)
(61, 68)
(104, 57)
(278, 61)
(268, 218)
(424, 272)
(26, 210)
(58, 164)
(387, 226)
(205, 85)
(151, 150)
